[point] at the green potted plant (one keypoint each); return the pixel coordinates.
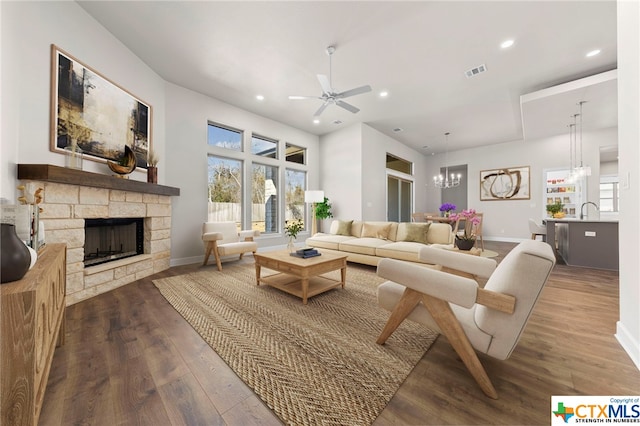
(323, 210)
(555, 209)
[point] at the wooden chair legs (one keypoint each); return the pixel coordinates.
(450, 327)
(212, 246)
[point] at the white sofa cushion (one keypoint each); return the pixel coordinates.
(327, 241)
(401, 250)
(362, 245)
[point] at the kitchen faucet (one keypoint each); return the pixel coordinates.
(582, 208)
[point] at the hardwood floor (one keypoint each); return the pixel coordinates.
(130, 359)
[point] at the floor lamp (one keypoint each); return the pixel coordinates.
(313, 197)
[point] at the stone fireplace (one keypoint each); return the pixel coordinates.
(73, 197)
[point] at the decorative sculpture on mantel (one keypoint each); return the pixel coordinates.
(125, 165)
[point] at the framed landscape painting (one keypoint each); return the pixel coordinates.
(510, 183)
(90, 112)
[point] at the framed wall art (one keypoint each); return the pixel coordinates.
(510, 183)
(90, 112)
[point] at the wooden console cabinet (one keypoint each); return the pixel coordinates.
(31, 326)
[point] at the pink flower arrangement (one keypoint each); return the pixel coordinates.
(472, 220)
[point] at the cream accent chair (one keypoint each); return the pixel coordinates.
(489, 320)
(536, 230)
(223, 239)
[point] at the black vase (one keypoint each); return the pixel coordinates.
(465, 244)
(14, 254)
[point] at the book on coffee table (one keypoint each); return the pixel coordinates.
(306, 252)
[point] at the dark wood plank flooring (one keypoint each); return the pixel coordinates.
(130, 359)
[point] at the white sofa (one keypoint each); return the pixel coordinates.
(369, 242)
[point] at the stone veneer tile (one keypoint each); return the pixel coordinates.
(73, 267)
(155, 223)
(96, 196)
(75, 255)
(133, 197)
(118, 209)
(51, 224)
(116, 195)
(74, 238)
(90, 211)
(75, 283)
(164, 199)
(55, 211)
(145, 272)
(150, 198)
(99, 278)
(158, 234)
(160, 245)
(58, 193)
(154, 210)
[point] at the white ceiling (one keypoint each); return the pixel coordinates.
(418, 51)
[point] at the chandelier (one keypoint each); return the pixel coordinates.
(446, 181)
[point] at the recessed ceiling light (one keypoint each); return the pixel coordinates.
(593, 53)
(398, 130)
(316, 121)
(337, 122)
(506, 43)
(384, 94)
(260, 97)
(425, 147)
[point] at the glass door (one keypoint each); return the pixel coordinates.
(399, 199)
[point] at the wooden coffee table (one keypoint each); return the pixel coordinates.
(301, 277)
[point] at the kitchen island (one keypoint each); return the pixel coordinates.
(587, 243)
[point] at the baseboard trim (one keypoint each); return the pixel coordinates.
(628, 343)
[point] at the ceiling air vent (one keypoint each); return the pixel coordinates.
(475, 71)
(336, 122)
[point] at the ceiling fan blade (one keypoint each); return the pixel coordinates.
(353, 92)
(296, 98)
(324, 83)
(347, 106)
(322, 108)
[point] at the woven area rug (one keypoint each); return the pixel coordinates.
(311, 364)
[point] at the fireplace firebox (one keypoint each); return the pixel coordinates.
(111, 239)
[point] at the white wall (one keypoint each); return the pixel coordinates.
(628, 327)
(28, 30)
(353, 171)
(186, 120)
(507, 220)
(375, 146)
(341, 170)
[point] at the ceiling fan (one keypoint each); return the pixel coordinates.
(329, 96)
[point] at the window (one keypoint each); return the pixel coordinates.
(225, 190)
(264, 147)
(264, 198)
(399, 165)
(295, 154)
(249, 183)
(294, 195)
(609, 188)
(224, 137)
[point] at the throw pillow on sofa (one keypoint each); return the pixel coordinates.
(376, 231)
(344, 227)
(413, 232)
